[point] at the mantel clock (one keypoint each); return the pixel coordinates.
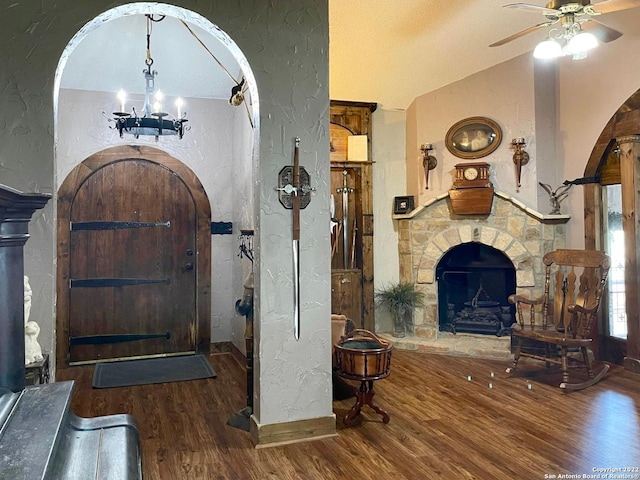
(472, 191)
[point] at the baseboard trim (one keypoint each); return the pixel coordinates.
(276, 434)
(220, 347)
(238, 354)
(632, 364)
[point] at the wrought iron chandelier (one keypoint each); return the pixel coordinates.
(151, 121)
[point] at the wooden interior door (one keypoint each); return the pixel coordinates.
(132, 267)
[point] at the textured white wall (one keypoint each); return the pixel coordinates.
(389, 181)
(286, 46)
(505, 94)
(243, 215)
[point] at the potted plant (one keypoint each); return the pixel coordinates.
(400, 299)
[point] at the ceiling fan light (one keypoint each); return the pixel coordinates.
(582, 42)
(547, 49)
(566, 51)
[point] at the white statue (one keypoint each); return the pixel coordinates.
(32, 349)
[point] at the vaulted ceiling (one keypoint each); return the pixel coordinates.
(384, 51)
(391, 51)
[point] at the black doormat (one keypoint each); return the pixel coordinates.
(152, 370)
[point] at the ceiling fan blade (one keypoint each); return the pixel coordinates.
(603, 33)
(534, 8)
(521, 34)
(609, 6)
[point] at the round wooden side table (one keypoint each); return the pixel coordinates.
(363, 356)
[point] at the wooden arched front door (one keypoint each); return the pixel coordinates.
(130, 252)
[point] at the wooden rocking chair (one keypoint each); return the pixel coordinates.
(563, 318)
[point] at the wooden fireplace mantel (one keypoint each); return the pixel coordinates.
(541, 217)
(16, 209)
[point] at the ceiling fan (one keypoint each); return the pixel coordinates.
(574, 17)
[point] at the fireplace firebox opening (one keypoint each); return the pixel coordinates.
(474, 284)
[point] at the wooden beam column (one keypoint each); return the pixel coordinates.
(630, 173)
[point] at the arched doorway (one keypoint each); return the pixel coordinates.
(134, 266)
(220, 149)
(611, 201)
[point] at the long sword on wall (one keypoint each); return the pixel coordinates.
(345, 190)
(295, 194)
(296, 239)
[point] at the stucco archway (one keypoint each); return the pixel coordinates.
(178, 149)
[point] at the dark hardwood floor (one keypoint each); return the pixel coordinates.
(442, 426)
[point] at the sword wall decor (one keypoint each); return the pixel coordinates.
(345, 190)
(295, 235)
(295, 193)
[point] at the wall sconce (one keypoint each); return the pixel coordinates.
(429, 162)
(520, 157)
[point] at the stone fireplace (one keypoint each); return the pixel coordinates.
(504, 249)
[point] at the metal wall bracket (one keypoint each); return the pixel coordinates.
(582, 181)
(286, 190)
(221, 228)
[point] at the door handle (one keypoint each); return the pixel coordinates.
(188, 267)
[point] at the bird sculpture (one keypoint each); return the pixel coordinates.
(556, 196)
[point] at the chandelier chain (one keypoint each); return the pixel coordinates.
(149, 60)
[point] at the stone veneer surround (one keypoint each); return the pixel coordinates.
(430, 231)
